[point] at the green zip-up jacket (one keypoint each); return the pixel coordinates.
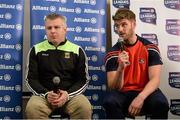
(67, 61)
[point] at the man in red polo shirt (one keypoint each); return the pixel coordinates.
(133, 68)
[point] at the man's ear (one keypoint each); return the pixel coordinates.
(65, 29)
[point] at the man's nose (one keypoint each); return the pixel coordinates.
(53, 30)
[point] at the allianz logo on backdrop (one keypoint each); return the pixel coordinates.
(86, 39)
(175, 106)
(62, 1)
(150, 37)
(17, 109)
(173, 26)
(100, 68)
(5, 98)
(121, 3)
(83, 20)
(17, 88)
(18, 7)
(18, 47)
(97, 107)
(76, 10)
(54, 9)
(172, 4)
(94, 97)
(173, 53)
(174, 79)
(93, 87)
(5, 56)
(95, 116)
(38, 27)
(37, 7)
(91, 2)
(6, 16)
(16, 67)
(10, 26)
(5, 77)
(6, 36)
(93, 58)
(96, 49)
(148, 15)
(94, 77)
(101, 12)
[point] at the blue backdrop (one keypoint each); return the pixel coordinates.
(11, 37)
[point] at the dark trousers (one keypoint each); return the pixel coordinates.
(116, 104)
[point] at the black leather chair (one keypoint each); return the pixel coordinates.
(147, 116)
(59, 113)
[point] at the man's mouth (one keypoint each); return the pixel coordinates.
(53, 37)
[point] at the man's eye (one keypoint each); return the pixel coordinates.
(116, 25)
(124, 25)
(57, 27)
(49, 28)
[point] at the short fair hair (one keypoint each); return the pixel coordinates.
(53, 16)
(123, 13)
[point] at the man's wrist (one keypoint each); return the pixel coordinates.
(142, 96)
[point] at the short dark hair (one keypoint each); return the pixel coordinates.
(123, 13)
(53, 16)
